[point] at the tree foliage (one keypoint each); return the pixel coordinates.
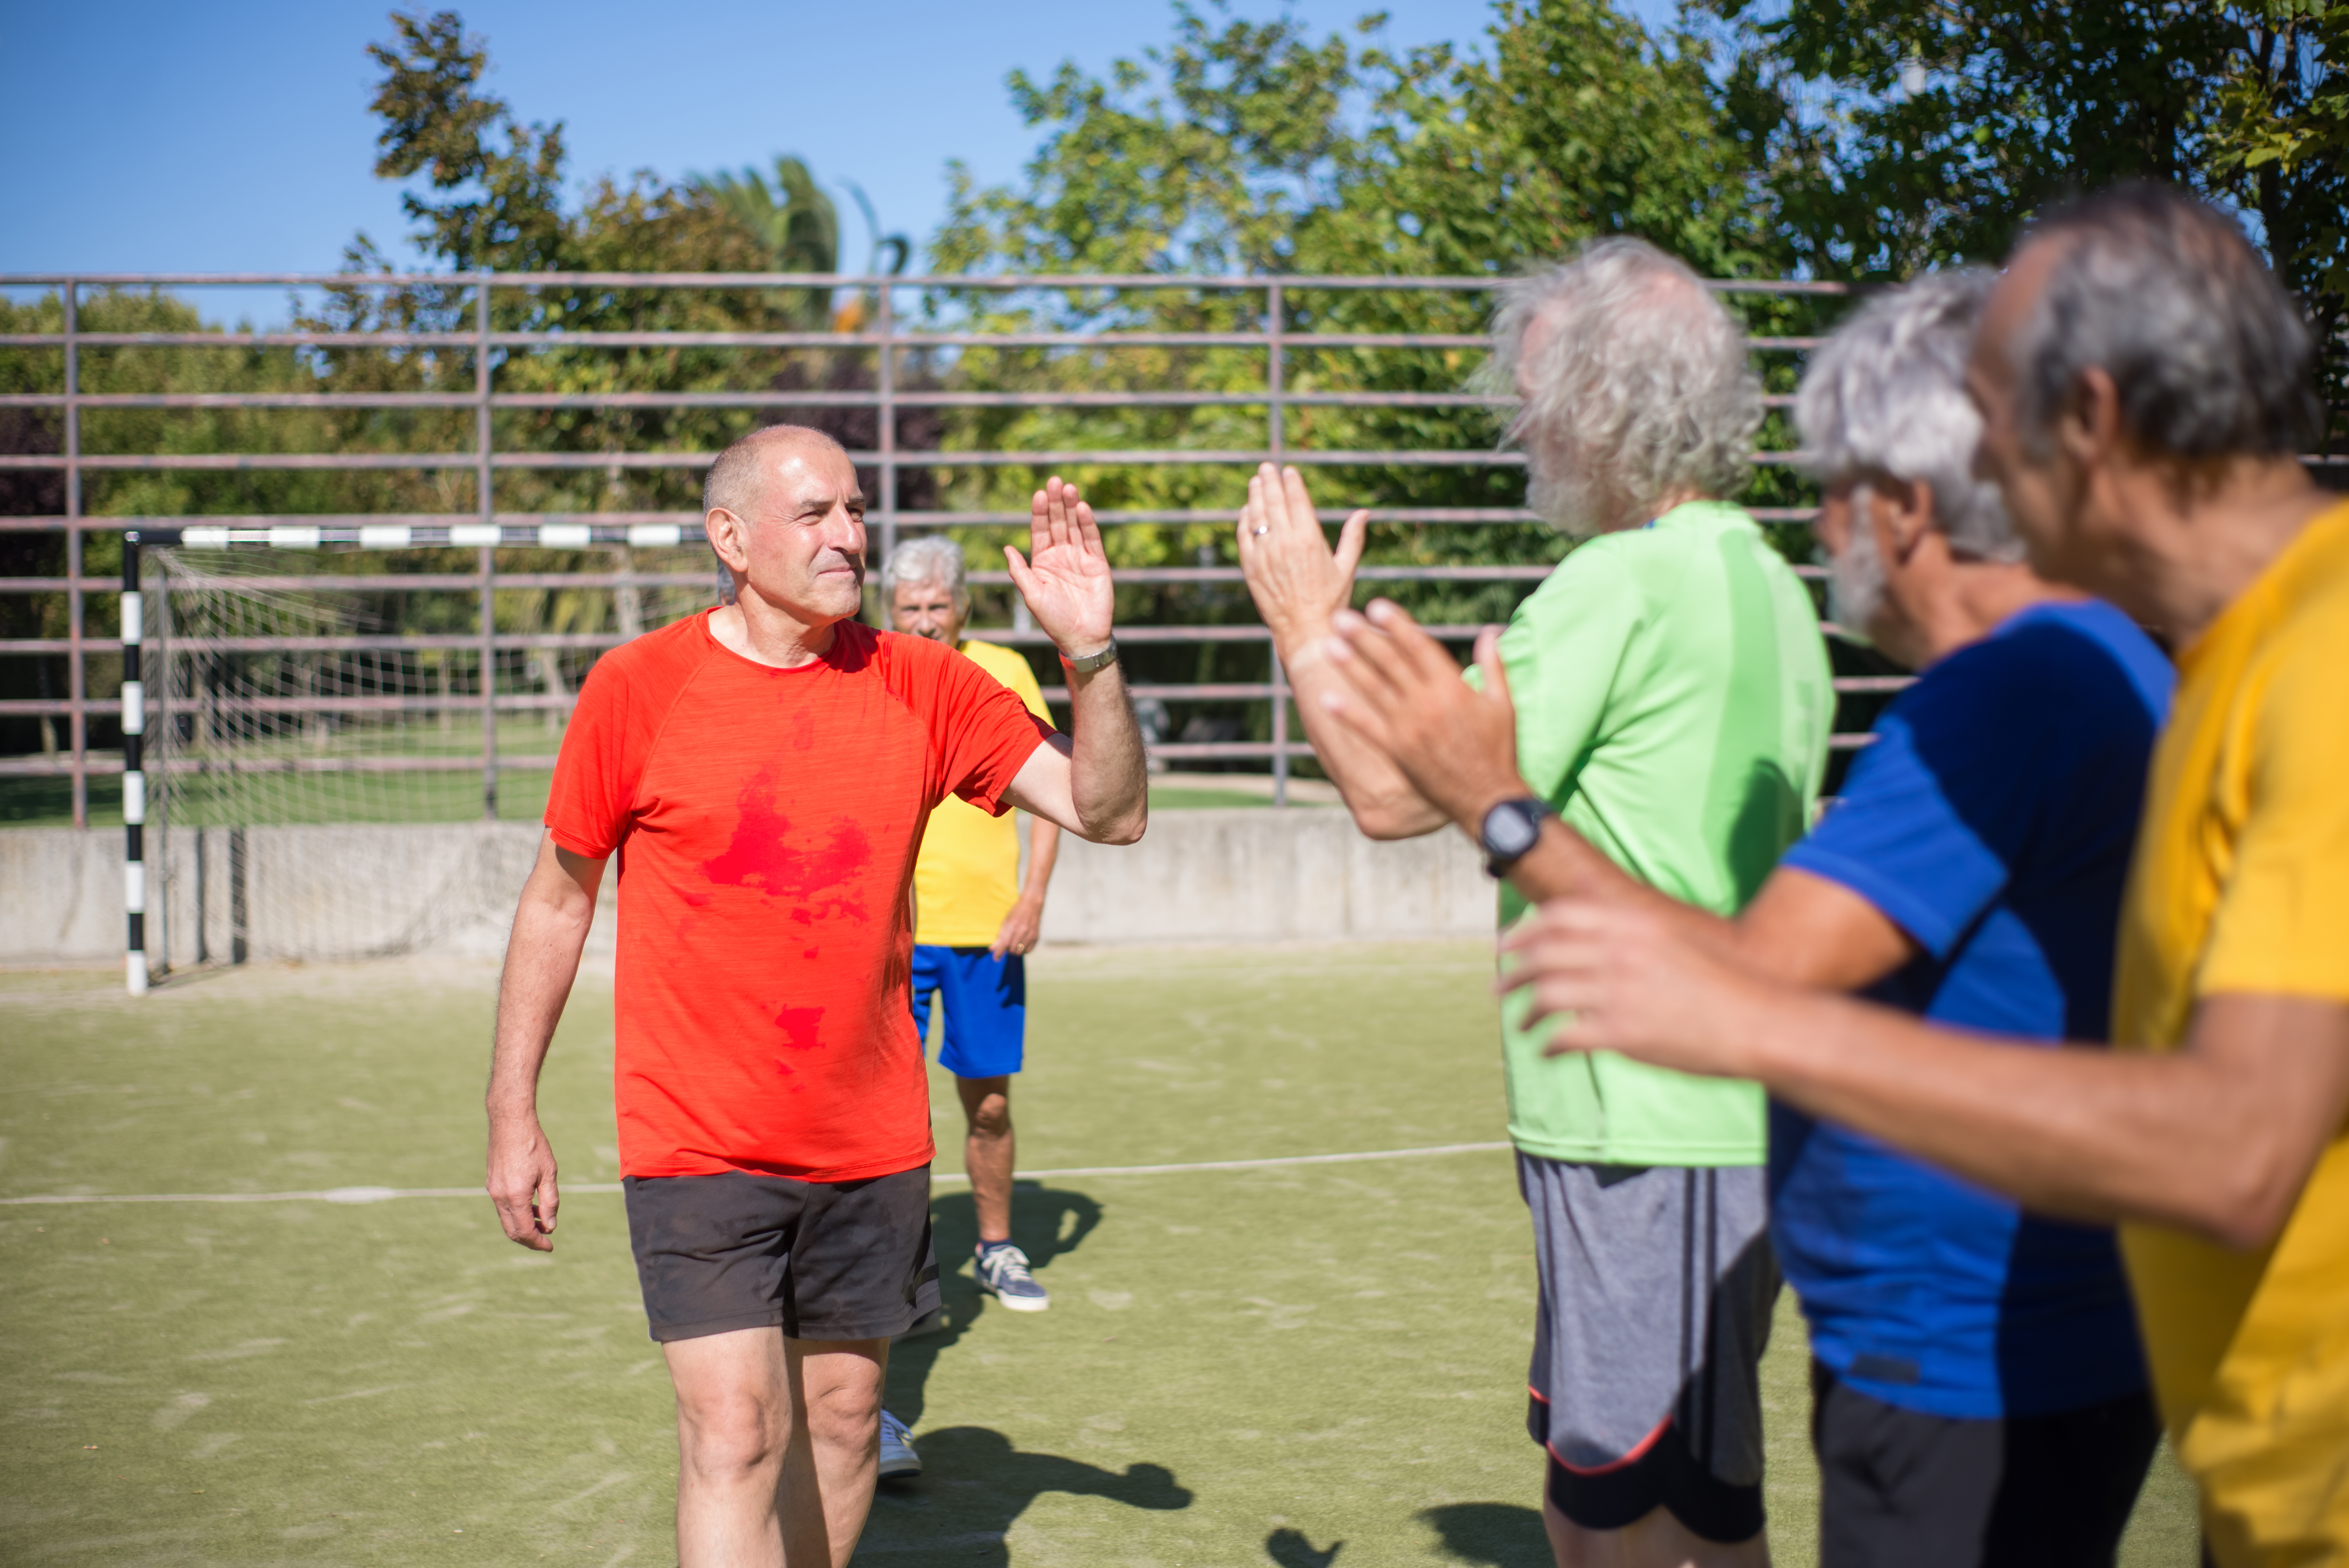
(1896, 135)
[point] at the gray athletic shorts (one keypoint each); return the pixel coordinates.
(1657, 1284)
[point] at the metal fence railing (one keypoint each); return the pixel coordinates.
(886, 339)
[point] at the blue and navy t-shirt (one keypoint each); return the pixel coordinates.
(1992, 820)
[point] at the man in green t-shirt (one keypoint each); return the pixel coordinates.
(1673, 706)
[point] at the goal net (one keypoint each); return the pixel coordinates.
(321, 781)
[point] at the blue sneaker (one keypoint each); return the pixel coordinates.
(1003, 1274)
(898, 1459)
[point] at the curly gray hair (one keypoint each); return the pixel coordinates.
(1635, 385)
(1886, 395)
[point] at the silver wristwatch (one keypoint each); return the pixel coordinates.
(1087, 664)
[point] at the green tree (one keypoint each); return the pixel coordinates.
(1896, 135)
(1243, 145)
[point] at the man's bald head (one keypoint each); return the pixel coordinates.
(742, 470)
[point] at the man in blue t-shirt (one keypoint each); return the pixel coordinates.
(1979, 1394)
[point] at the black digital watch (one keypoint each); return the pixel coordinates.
(1509, 829)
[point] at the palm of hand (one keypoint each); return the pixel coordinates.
(1068, 585)
(1065, 577)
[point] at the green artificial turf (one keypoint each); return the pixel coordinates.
(1309, 1364)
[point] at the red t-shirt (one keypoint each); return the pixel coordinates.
(767, 822)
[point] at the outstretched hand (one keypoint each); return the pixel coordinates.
(1404, 695)
(1297, 581)
(1625, 980)
(1065, 577)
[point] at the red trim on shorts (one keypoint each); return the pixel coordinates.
(1638, 1452)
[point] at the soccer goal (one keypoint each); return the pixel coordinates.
(319, 752)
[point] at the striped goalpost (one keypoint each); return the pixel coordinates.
(284, 703)
(134, 773)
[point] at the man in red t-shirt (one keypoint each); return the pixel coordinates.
(764, 769)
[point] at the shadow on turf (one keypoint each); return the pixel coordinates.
(1046, 1221)
(1497, 1534)
(975, 1485)
(1295, 1549)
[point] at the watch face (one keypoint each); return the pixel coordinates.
(1509, 832)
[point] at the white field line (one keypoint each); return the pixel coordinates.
(382, 1194)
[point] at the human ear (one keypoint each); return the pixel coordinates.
(1904, 509)
(2089, 428)
(727, 532)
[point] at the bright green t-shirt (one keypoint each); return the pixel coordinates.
(1673, 704)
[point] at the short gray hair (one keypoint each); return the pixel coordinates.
(1886, 395)
(932, 557)
(2211, 357)
(732, 483)
(1640, 387)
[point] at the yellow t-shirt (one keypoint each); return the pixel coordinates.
(967, 877)
(2241, 884)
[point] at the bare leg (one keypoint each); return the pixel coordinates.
(988, 1151)
(1657, 1541)
(776, 1448)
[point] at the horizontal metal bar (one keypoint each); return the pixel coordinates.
(342, 528)
(991, 283)
(623, 400)
(559, 461)
(1294, 341)
(242, 462)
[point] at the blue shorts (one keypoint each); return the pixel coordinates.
(985, 1000)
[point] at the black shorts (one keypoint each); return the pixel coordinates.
(820, 1260)
(1900, 1487)
(1666, 1475)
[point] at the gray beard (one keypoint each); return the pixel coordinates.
(1855, 575)
(1573, 503)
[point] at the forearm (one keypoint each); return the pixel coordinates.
(1043, 852)
(550, 932)
(1109, 781)
(1799, 929)
(1383, 801)
(1563, 864)
(2087, 1134)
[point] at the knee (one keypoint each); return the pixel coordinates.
(991, 1117)
(729, 1436)
(846, 1416)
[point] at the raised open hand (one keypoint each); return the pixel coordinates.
(1065, 577)
(1297, 582)
(1402, 694)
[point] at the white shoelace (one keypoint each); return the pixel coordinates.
(1008, 1263)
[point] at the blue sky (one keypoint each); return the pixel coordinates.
(147, 137)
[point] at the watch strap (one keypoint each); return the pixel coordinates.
(1085, 663)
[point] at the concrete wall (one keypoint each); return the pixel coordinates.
(355, 892)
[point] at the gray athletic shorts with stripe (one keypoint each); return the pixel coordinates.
(1657, 1284)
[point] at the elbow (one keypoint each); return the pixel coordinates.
(1116, 828)
(1126, 829)
(2247, 1207)
(1385, 818)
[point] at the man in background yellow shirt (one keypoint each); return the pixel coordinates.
(974, 921)
(2145, 386)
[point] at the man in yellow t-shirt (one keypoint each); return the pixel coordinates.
(974, 921)
(2146, 384)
